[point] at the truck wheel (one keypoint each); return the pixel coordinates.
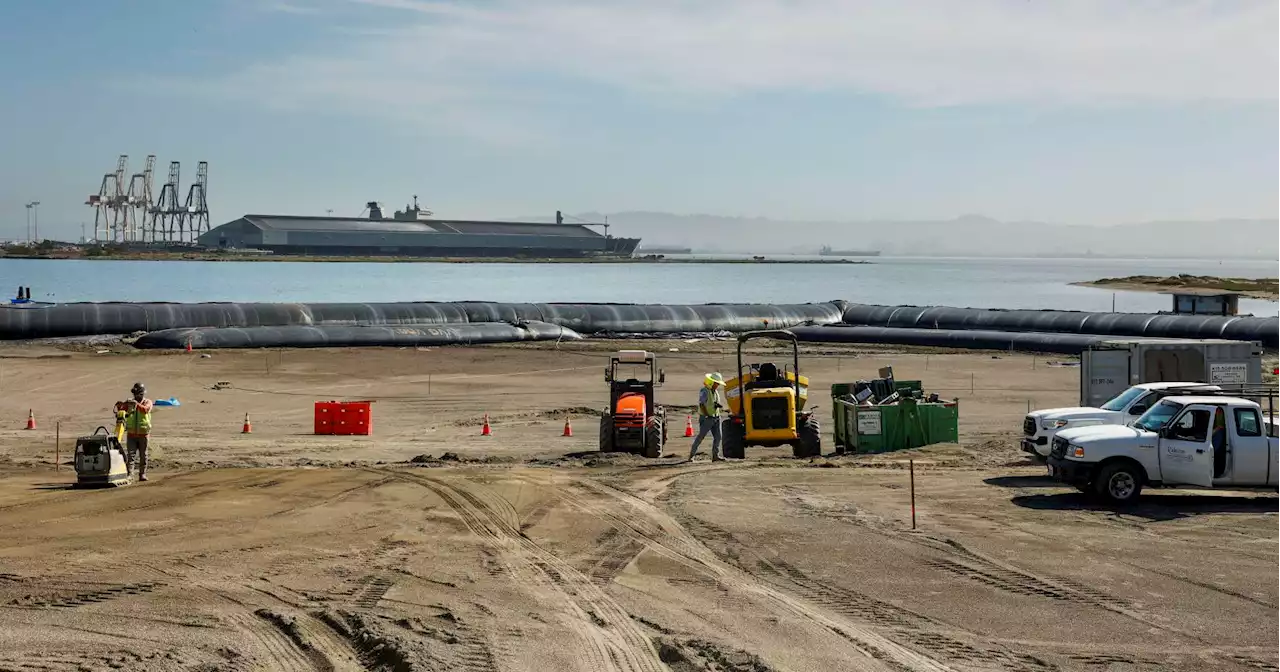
(653, 437)
(735, 439)
(606, 433)
(1118, 483)
(810, 438)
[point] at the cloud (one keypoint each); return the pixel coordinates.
(444, 59)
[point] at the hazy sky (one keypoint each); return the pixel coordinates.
(1069, 111)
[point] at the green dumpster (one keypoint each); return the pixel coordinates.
(906, 424)
(845, 391)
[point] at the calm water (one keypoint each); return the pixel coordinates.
(983, 283)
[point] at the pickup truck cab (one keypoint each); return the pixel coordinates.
(1039, 427)
(1199, 440)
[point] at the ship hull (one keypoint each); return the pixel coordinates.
(616, 248)
(848, 253)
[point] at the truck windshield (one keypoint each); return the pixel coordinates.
(1158, 416)
(1122, 401)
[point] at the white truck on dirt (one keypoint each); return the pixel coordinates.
(1039, 427)
(1189, 439)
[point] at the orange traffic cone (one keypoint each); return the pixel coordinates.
(688, 425)
(568, 429)
(485, 431)
(248, 428)
(31, 419)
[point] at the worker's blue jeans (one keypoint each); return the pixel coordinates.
(707, 424)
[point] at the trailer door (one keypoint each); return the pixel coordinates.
(1184, 365)
(1103, 375)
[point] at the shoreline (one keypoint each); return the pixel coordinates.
(1249, 288)
(216, 257)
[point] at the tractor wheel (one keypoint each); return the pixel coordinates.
(653, 433)
(606, 433)
(734, 439)
(810, 438)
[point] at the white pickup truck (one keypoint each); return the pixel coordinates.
(1039, 427)
(1174, 444)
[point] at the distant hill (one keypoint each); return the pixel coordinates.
(970, 235)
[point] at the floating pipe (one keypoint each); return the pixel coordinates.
(971, 339)
(337, 335)
(88, 319)
(1265, 330)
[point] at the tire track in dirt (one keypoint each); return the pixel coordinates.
(335, 649)
(317, 642)
(902, 625)
(282, 654)
(538, 514)
(618, 643)
(84, 597)
(1202, 584)
(375, 589)
(663, 531)
(613, 552)
(999, 576)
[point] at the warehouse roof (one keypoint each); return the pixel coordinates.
(298, 223)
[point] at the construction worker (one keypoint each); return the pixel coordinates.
(137, 425)
(709, 406)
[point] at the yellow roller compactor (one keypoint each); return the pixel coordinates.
(767, 404)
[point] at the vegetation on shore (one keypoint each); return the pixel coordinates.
(1258, 288)
(48, 250)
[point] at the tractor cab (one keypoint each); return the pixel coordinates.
(767, 403)
(634, 422)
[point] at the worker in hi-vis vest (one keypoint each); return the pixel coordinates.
(709, 406)
(137, 425)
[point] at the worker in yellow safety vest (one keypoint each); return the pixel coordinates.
(137, 425)
(709, 406)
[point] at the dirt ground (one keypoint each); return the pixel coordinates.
(429, 547)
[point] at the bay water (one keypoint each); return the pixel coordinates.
(962, 282)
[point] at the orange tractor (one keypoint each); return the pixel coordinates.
(634, 422)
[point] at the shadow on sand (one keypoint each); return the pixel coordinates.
(1033, 481)
(1153, 507)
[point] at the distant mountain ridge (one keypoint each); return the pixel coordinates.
(969, 235)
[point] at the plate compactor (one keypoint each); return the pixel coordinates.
(634, 423)
(102, 458)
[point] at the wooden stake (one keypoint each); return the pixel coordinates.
(911, 468)
(57, 446)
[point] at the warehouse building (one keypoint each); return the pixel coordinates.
(411, 234)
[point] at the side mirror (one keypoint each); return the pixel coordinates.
(608, 375)
(662, 377)
(1138, 410)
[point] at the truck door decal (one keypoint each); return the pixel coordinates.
(1186, 458)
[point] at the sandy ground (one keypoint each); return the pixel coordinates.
(279, 550)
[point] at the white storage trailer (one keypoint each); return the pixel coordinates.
(1110, 367)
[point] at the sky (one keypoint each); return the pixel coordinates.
(1070, 111)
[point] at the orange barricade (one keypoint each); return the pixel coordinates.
(344, 418)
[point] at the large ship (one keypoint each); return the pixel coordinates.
(414, 232)
(826, 251)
